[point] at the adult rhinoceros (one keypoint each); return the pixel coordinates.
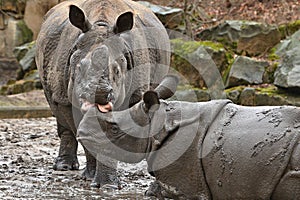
(103, 52)
(205, 150)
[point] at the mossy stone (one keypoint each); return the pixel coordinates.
(24, 34)
(15, 89)
(185, 51)
(268, 76)
(289, 29)
(247, 97)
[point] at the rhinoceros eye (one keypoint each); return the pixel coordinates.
(114, 128)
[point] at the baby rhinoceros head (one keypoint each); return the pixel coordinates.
(125, 135)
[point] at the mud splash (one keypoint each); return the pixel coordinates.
(28, 148)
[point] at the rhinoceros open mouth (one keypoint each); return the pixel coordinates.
(86, 105)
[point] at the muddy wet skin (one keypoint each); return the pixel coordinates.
(28, 148)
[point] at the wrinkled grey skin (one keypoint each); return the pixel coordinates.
(100, 52)
(205, 150)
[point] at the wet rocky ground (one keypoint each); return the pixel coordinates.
(28, 148)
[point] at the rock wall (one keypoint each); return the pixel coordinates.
(243, 60)
(287, 74)
(20, 21)
(13, 30)
(34, 12)
(257, 72)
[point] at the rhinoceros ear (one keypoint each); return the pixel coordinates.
(167, 87)
(78, 19)
(151, 101)
(124, 23)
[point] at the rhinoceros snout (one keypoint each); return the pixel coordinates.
(104, 101)
(100, 95)
(103, 98)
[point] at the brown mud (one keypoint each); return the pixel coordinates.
(28, 148)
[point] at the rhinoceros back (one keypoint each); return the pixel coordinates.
(57, 37)
(247, 150)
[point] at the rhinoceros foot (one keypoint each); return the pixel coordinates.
(162, 191)
(89, 172)
(155, 190)
(108, 183)
(106, 178)
(67, 156)
(64, 163)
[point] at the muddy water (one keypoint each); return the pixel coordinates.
(27, 150)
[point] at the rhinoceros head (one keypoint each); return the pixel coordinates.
(99, 61)
(126, 135)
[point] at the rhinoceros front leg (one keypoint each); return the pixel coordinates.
(155, 190)
(67, 157)
(106, 173)
(90, 168)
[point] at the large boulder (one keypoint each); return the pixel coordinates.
(287, 74)
(30, 82)
(289, 28)
(288, 44)
(191, 95)
(15, 34)
(13, 6)
(199, 61)
(258, 39)
(20, 22)
(25, 54)
(246, 71)
(13, 30)
(261, 95)
(170, 17)
(35, 11)
(27, 74)
(245, 37)
(8, 69)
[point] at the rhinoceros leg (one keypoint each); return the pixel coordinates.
(106, 173)
(90, 167)
(289, 185)
(155, 190)
(67, 157)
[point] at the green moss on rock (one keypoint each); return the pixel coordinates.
(268, 76)
(272, 55)
(289, 29)
(3, 90)
(24, 34)
(183, 51)
(186, 47)
(238, 88)
(269, 90)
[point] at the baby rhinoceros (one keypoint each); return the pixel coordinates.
(204, 150)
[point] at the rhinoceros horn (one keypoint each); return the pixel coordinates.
(100, 60)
